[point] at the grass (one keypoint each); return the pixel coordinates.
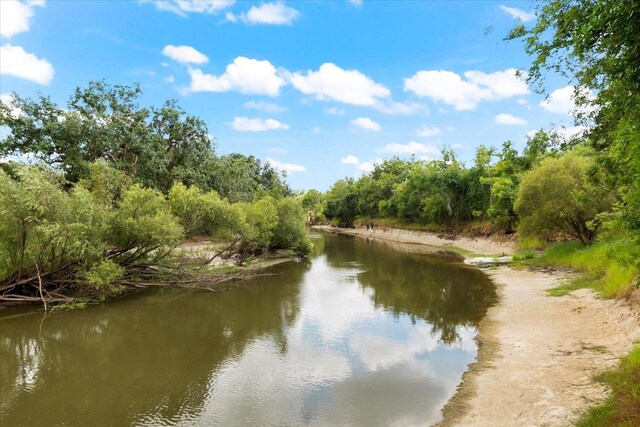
(603, 265)
(622, 407)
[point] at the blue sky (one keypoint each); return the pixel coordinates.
(322, 89)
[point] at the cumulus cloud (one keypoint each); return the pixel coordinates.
(509, 119)
(184, 54)
(363, 166)
(245, 75)
(562, 101)
(15, 16)
(465, 94)
(184, 7)
(245, 124)
(405, 108)
(266, 14)
(427, 132)
(7, 100)
(356, 3)
(170, 79)
(266, 107)
(331, 82)
(366, 124)
(565, 133)
(286, 167)
(350, 160)
(412, 147)
(518, 13)
(19, 63)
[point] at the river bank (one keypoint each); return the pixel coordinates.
(537, 353)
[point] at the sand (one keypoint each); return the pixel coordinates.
(538, 354)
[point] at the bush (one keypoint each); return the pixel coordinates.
(261, 220)
(290, 232)
(563, 195)
(143, 223)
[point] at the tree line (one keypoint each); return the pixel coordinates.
(104, 190)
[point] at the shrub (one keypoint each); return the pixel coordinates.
(563, 196)
(290, 232)
(261, 219)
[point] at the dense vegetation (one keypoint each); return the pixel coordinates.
(556, 189)
(113, 188)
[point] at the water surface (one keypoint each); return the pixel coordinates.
(361, 333)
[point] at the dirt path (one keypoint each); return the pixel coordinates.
(538, 354)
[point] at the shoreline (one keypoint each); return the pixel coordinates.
(537, 354)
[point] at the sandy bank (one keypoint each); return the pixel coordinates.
(482, 246)
(538, 354)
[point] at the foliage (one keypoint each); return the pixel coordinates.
(603, 265)
(290, 232)
(262, 219)
(341, 202)
(562, 196)
(622, 407)
(59, 241)
(203, 213)
(596, 43)
(245, 179)
(153, 146)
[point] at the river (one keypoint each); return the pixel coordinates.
(360, 333)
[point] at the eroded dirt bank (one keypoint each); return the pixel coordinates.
(538, 354)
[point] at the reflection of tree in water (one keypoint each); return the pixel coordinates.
(153, 353)
(445, 295)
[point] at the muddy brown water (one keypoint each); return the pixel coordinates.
(360, 333)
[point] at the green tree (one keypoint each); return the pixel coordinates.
(157, 146)
(563, 195)
(596, 44)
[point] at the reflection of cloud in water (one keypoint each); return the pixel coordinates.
(332, 300)
(266, 385)
(404, 395)
(380, 352)
(319, 379)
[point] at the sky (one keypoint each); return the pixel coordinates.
(321, 89)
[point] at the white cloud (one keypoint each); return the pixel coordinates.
(412, 147)
(245, 75)
(427, 132)
(405, 108)
(170, 79)
(518, 13)
(286, 167)
(366, 124)
(509, 119)
(8, 101)
(335, 111)
(18, 63)
(562, 101)
(357, 3)
(465, 94)
(350, 160)
(15, 16)
(363, 166)
(245, 124)
(266, 107)
(316, 129)
(266, 14)
(331, 82)
(522, 101)
(183, 7)
(184, 54)
(571, 132)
